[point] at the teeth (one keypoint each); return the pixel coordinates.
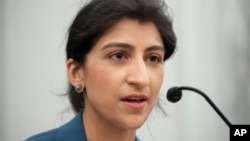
(134, 99)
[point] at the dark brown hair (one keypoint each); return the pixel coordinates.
(99, 15)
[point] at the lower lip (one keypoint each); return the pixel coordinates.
(135, 105)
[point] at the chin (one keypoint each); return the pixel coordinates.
(135, 123)
(133, 127)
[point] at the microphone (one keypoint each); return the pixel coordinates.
(174, 94)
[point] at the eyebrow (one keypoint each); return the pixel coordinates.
(118, 44)
(131, 47)
(155, 47)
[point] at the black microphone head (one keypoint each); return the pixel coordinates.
(174, 94)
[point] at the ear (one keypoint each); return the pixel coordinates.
(75, 72)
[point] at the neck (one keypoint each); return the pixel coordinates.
(98, 129)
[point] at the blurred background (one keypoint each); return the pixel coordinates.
(213, 55)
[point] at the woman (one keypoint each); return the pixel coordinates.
(115, 55)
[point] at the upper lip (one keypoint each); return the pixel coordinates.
(141, 97)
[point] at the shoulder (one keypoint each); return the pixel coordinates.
(44, 136)
(72, 130)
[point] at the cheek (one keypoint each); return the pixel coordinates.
(101, 80)
(156, 79)
(97, 80)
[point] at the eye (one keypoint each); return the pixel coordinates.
(155, 59)
(117, 56)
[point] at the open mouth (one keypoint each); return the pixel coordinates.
(134, 99)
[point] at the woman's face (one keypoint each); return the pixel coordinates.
(123, 74)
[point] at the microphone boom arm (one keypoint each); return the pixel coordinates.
(209, 101)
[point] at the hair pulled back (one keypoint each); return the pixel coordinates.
(98, 16)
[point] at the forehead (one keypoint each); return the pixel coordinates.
(132, 32)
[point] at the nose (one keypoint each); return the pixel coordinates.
(138, 74)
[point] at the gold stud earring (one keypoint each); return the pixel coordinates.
(79, 88)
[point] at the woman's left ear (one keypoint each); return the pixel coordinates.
(75, 72)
